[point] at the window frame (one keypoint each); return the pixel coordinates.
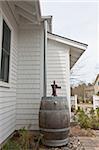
(3, 18)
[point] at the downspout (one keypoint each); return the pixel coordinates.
(45, 59)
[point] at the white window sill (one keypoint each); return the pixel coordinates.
(4, 84)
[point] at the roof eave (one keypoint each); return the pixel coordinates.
(67, 41)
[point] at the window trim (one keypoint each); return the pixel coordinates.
(2, 83)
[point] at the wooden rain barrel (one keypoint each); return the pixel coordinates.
(54, 121)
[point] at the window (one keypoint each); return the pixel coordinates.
(5, 53)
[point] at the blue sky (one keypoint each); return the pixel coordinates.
(77, 20)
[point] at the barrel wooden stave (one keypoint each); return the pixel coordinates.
(54, 120)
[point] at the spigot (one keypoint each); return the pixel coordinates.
(54, 87)
(55, 102)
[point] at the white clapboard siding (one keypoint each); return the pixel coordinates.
(29, 116)
(30, 101)
(7, 104)
(8, 95)
(28, 111)
(29, 85)
(30, 126)
(31, 67)
(30, 105)
(6, 115)
(27, 122)
(28, 96)
(7, 109)
(57, 67)
(8, 119)
(29, 77)
(6, 100)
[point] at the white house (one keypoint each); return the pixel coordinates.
(30, 53)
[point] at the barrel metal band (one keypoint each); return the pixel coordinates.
(63, 110)
(55, 142)
(54, 130)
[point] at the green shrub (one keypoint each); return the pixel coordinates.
(93, 119)
(90, 120)
(83, 119)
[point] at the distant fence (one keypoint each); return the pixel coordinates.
(95, 101)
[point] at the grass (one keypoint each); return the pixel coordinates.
(23, 139)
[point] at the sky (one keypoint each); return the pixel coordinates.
(79, 21)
